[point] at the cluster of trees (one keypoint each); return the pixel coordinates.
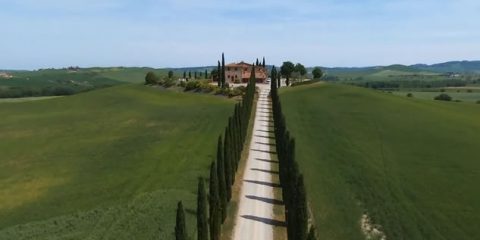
(219, 74)
(19, 92)
(212, 208)
(294, 194)
(290, 70)
(196, 75)
(262, 64)
(397, 84)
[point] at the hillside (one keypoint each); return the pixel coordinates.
(410, 165)
(454, 66)
(107, 164)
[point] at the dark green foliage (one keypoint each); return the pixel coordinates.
(206, 74)
(223, 71)
(273, 77)
(151, 78)
(257, 63)
(263, 62)
(409, 95)
(170, 74)
(301, 212)
(311, 234)
(228, 165)
(218, 75)
(300, 69)
(443, 97)
(287, 69)
(184, 75)
(222, 184)
(294, 194)
(214, 204)
(202, 212)
(189, 74)
(317, 73)
(180, 227)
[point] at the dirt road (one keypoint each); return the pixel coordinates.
(256, 218)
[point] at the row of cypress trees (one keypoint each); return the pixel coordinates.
(294, 194)
(212, 208)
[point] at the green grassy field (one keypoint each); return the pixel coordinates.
(106, 164)
(411, 165)
(462, 96)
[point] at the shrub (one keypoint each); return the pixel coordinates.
(192, 85)
(409, 95)
(443, 97)
(478, 102)
(151, 78)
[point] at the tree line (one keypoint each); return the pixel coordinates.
(212, 207)
(296, 71)
(294, 194)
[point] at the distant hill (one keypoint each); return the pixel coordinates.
(455, 66)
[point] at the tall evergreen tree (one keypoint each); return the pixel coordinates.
(223, 70)
(228, 163)
(257, 62)
(222, 184)
(189, 74)
(180, 228)
(279, 83)
(301, 210)
(202, 211)
(219, 73)
(184, 75)
(215, 213)
(206, 74)
(263, 62)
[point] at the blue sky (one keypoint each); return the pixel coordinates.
(167, 33)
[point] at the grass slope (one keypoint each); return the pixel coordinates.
(107, 164)
(411, 165)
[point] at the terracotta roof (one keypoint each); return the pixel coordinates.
(240, 64)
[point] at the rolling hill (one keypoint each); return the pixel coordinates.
(106, 164)
(407, 167)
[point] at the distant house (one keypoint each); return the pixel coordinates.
(240, 73)
(5, 75)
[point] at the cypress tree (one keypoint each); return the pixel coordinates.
(279, 84)
(202, 214)
(215, 214)
(189, 74)
(311, 234)
(180, 228)
(184, 75)
(219, 72)
(222, 184)
(263, 62)
(223, 70)
(257, 63)
(228, 166)
(301, 212)
(206, 74)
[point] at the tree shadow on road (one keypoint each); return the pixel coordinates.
(269, 184)
(265, 171)
(268, 221)
(266, 160)
(265, 200)
(264, 151)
